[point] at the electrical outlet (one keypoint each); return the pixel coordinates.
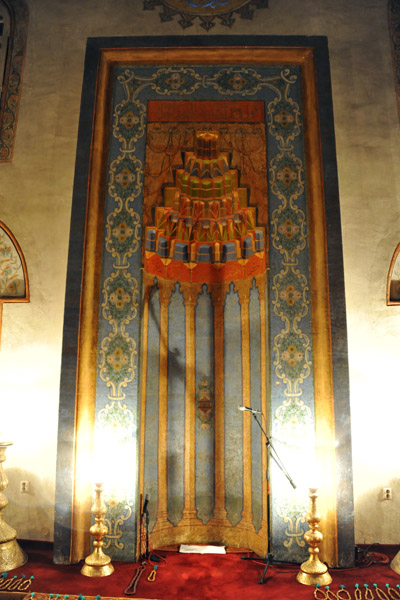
(387, 493)
(24, 487)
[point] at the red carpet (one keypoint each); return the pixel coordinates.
(192, 577)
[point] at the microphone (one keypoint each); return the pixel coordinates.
(146, 501)
(252, 410)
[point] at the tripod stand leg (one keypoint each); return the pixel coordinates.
(268, 561)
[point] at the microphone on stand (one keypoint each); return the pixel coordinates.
(146, 501)
(252, 410)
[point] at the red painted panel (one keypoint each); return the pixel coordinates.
(197, 111)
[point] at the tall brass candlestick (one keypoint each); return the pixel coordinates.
(98, 564)
(11, 555)
(313, 571)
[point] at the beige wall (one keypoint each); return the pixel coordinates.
(35, 201)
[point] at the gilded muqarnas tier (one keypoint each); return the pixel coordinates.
(205, 232)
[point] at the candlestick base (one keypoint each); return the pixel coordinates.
(311, 574)
(11, 556)
(97, 566)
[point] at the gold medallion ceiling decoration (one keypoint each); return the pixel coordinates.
(205, 10)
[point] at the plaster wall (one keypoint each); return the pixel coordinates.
(35, 201)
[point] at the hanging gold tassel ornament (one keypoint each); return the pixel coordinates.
(313, 571)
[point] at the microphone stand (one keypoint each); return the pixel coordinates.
(271, 453)
(146, 516)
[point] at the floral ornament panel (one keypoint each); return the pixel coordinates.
(284, 119)
(117, 368)
(205, 10)
(292, 356)
(13, 280)
(176, 81)
(125, 177)
(293, 516)
(129, 122)
(291, 301)
(118, 511)
(121, 293)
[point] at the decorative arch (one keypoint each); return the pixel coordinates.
(14, 283)
(393, 279)
(14, 18)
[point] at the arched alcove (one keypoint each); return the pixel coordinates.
(14, 284)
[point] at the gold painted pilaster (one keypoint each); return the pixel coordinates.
(147, 283)
(218, 293)
(322, 340)
(166, 288)
(261, 283)
(190, 294)
(85, 399)
(243, 288)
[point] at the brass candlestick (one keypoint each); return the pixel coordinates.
(11, 555)
(313, 571)
(98, 564)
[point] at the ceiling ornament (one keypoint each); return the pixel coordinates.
(206, 10)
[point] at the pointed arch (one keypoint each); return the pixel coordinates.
(14, 283)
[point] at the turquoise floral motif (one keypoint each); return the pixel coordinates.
(123, 233)
(284, 119)
(121, 293)
(294, 412)
(125, 177)
(288, 234)
(293, 515)
(232, 80)
(129, 118)
(175, 80)
(290, 289)
(292, 356)
(117, 512)
(117, 365)
(117, 421)
(287, 172)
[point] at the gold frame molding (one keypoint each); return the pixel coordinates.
(389, 300)
(322, 346)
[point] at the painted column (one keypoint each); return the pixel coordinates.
(261, 283)
(190, 294)
(244, 296)
(218, 299)
(166, 288)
